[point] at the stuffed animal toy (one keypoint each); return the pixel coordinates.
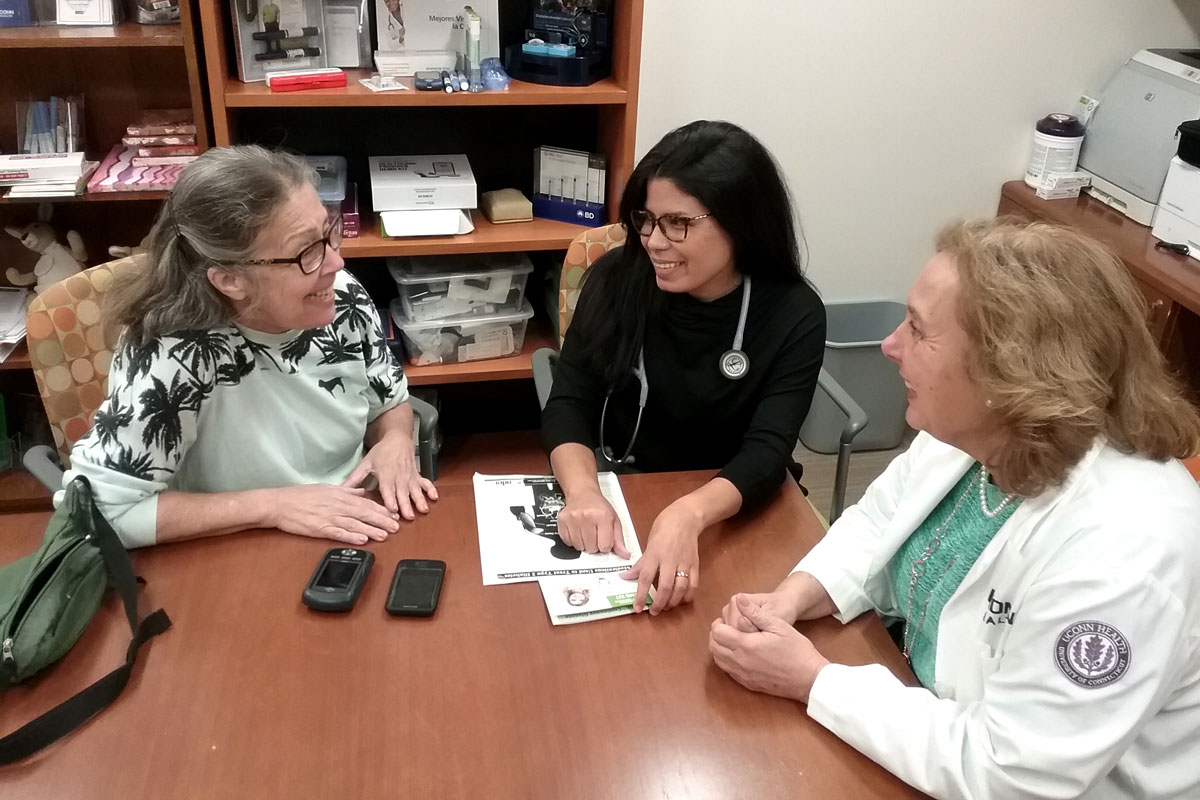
(56, 263)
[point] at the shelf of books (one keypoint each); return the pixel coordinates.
(127, 34)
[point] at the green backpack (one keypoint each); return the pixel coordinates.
(47, 600)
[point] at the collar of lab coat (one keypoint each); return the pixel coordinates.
(941, 466)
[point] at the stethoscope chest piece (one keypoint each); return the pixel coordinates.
(734, 364)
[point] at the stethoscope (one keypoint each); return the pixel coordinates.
(734, 365)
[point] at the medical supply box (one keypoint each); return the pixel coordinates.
(463, 338)
(477, 284)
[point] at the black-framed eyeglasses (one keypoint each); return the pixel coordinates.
(673, 226)
(310, 258)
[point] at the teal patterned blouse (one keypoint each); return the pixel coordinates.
(967, 533)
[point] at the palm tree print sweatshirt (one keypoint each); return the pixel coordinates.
(230, 409)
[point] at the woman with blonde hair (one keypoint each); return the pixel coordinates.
(1038, 545)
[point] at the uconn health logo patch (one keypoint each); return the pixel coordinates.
(1092, 654)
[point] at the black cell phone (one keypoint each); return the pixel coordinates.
(416, 587)
(338, 579)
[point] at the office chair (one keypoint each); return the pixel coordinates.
(589, 246)
(71, 356)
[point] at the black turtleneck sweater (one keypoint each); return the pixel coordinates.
(695, 417)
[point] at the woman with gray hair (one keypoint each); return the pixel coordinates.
(251, 386)
(1038, 545)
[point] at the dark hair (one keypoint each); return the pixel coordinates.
(737, 180)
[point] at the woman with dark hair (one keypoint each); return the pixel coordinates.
(696, 345)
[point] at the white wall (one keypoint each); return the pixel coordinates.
(889, 117)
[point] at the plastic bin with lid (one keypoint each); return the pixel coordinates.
(331, 174)
(463, 338)
(436, 287)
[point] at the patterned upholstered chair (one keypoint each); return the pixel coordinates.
(71, 356)
(583, 252)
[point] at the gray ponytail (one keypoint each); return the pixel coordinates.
(215, 213)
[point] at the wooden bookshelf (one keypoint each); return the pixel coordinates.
(537, 336)
(354, 94)
(537, 234)
(497, 130)
(127, 34)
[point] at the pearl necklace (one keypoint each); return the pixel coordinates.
(990, 513)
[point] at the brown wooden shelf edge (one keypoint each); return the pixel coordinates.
(127, 34)
(537, 234)
(258, 95)
(93, 197)
(537, 336)
(18, 358)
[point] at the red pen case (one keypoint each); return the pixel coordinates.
(306, 80)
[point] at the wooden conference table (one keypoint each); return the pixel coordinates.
(250, 694)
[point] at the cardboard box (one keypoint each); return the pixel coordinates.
(48, 167)
(421, 183)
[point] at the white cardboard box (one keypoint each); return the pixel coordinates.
(434, 25)
(420, 183)
(401, 63)
(23, 167)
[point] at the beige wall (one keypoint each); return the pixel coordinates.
(889, 117)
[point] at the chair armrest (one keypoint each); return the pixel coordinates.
(544, 360)
(856, 420)
(427, 417)
(42, 463)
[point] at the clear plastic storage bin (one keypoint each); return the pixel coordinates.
(469, 338)
(437, 287)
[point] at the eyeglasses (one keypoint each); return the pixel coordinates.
(310, 258)
(673, 226)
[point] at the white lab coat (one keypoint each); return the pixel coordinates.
(1117, 544)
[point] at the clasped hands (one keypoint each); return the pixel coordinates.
(755, 643)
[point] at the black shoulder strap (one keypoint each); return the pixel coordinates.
(69, 715)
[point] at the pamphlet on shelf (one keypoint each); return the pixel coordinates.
(433, 222)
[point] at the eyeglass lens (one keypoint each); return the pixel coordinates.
(313, 256)
(673, 227)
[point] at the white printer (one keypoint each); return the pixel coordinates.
(1131, 138)
(1177, 219)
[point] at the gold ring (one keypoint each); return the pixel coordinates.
(681, 574)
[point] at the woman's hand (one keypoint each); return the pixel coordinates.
(587, 522)
(774, 604)
(672, 554)
(325, 511)
(774, 658)
(393, 463)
